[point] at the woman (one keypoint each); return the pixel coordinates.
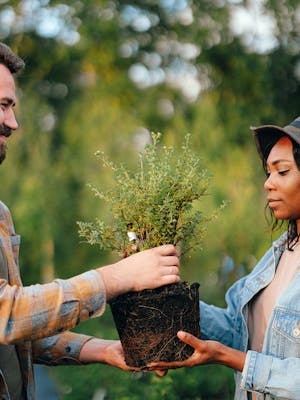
(258, 335)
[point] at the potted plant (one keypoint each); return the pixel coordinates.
(157, 203)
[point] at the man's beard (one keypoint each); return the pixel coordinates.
(2, 152)
(4, 131)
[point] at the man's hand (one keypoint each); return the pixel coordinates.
(105, 352)
(206, 352)
(147, 269)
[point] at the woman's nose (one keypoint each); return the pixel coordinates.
(269, 184)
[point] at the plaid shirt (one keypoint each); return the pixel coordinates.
(32, 317)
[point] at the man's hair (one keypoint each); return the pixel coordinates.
(8, 58)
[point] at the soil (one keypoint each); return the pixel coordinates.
(148, 322)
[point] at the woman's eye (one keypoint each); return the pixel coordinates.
(282, 173)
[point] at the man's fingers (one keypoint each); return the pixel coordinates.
(168, 250)
(169, 274)
(173, 270)
(168, 279)
(170, 260)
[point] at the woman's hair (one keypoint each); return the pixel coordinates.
(292, 232)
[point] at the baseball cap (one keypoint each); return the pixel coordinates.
(265, 136)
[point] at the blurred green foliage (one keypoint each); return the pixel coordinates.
(102, 75)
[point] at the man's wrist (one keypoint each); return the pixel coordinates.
(93, 351)
(114, 283)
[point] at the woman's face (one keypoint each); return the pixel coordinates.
(283, 181)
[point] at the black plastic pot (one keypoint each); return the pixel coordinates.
(148, 322)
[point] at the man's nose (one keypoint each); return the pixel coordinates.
(10, 119)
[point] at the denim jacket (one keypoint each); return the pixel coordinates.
(274, 373)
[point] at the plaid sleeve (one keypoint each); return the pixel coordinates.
(62, 349)
(38, 311)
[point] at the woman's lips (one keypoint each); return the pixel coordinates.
(273, 202)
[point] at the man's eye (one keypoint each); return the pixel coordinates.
(282, 173)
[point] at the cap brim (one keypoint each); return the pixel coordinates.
(265, 136)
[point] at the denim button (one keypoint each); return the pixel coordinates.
(296, 332)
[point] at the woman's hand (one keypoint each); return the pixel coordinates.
(206, 352)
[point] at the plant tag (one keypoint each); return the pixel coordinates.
(132, 236)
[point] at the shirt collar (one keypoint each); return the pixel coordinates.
(280, 243)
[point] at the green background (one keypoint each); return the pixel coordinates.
(100, 76)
